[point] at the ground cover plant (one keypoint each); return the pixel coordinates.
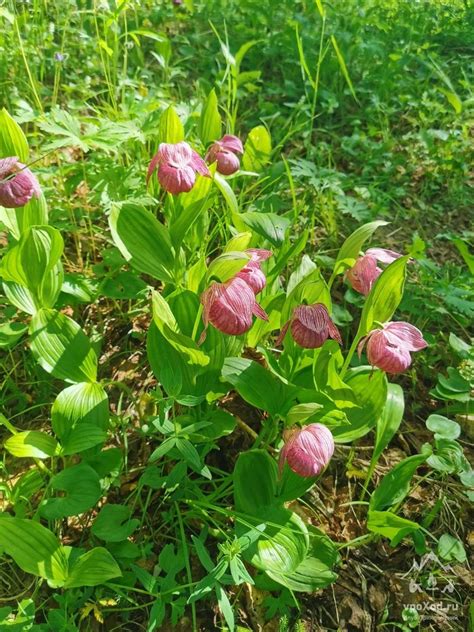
(236, 298)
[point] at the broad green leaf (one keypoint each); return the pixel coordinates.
(34, 548)
(351, 248)
(395, 485)
(32, 443)
(21, 297)
(289, 252)
(390, 525)
(238, 243)
(61, 347)
(292, 486)
(312, 288)
(18, 220)
(451, 549)
(170, 129)
(210, 124)
(189, 207)
(12, 139)
(443, 427)
(11, 333)
(113, 524)
(225, 607)
(257, 149)
(221, 424)
(369, 388)
(165, 321)
(258, 386)
(143, 241)
(327, 363)
(251, 466)
(390, 419)
(80, 417)
(227, 265)
(315, 571)
(50, 287)
(284, 543)
(231, 201)
(384, 297)
(34, 257)
(92, 568)
(81, 485)
(268, 225)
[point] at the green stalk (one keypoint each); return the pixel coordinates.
(27, 67)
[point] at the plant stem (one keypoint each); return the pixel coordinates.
(348, 359)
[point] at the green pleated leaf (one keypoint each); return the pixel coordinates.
(92, 568)
(258, 386)
(170, 128)
(165, 321)
(210, 123)
(384, 297)
(50, 287)
(231, 201)
(227, 265)
(61, 347)
(18, 220)
(316, 570)
(312, 288)
(80, 417)
(350, 249)
(390, 419)
(11, 333)
(21, 297)
(395, 485)
(268, 225)
(257, 149)
(80, 490)
(12, 139)
(283, 545)
(34, 548)
(143, 241)
(33, 258)
(32, 443)
(292, 486)
(390, 525)
(369, 389)
(251, 466)
(189, 207)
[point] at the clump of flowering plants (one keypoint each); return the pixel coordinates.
(226, 316)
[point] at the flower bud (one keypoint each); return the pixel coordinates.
(365, 271)
(252, 273)
(230, 306)
(390, 348)
(311, 326)
(17, 183)
(224, 152)
(307, 450)
(177, 166)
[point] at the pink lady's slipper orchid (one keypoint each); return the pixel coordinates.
(311, 326)
(177, 166)
(389, 348)
(224, 152)
(365, 271)
(17, 183)
(229, 307)
(307, 450)
(252, 273)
